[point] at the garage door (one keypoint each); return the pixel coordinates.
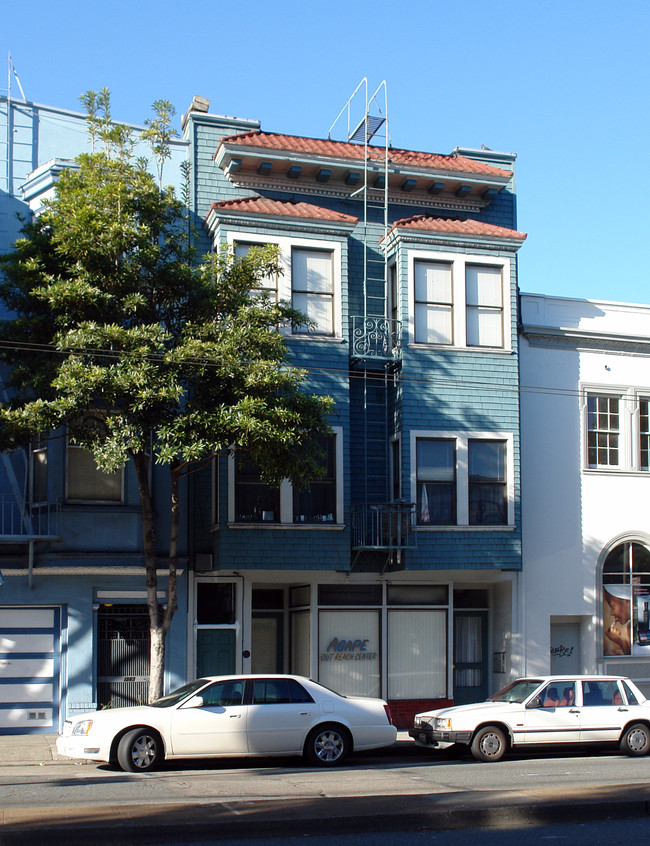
(30, 667)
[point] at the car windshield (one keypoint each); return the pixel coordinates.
(517, 691)
(179, 694)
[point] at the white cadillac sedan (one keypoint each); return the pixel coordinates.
(232, 716)
(543, 711)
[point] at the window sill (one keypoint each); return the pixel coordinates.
(614, 471)
(314, 336)
(503, 528)
(288, 526)
(452, 348)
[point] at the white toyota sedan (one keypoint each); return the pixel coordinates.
(232, 716)
(543, 711)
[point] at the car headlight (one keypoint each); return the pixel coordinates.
(82, 727)
(443, 723)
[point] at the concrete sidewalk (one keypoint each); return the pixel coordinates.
(40, 749)
(30, 749)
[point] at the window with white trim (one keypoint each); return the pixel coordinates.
(459, 300)
(269, 284)
(462, 479)
(484, 301)
(433, 302)
(617, 430)
(310, 278)
(312, 289)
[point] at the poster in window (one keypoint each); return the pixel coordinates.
(617, 623)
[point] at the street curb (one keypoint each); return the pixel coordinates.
(238, 818)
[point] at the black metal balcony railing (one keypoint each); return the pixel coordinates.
(383, 527)
(23, 523)
(376, 337)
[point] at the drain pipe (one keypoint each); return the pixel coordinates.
(30, 569)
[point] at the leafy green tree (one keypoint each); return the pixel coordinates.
(113, 318)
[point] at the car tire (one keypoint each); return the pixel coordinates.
(327, 745)
(139, 751)
(489, 744)
(636, 740)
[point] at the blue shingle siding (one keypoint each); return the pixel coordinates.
(443, 389)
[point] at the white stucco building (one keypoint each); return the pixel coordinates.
(585, 394)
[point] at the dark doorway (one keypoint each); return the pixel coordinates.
(123, 655)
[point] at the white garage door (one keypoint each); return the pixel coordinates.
(30, 666)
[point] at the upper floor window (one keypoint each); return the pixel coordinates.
(484, 301)
(487, 483)
(268, 286)
(603, 431)
(433, 303)
(436, 481)
(38, 469)
(319, 502)
(312, 288)
(85, 482)
(316, 503)
(617, 430)
(463, 479)
(255, 502)
(626, 600)
(459, 302)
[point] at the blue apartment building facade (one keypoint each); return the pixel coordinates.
(397, 573)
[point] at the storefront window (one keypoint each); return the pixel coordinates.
(417, 654)
(349, 654)
(626, 601)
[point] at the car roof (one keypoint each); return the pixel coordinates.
(572, 676)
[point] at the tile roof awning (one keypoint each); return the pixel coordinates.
(250, 157)
(282, 210)
(455, 228)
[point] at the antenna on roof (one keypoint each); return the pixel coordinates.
(11, 69)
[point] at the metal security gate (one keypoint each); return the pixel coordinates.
(123, 655)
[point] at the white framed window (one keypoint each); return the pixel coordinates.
(462, 479)
(310, 279)
(484, 304)
(312, 289)
(318, 505)
(459, 300)
(616, 429)
(269, 284)
(433, 302)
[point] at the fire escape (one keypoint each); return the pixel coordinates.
(381, 522)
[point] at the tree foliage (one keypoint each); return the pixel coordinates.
(113, 315)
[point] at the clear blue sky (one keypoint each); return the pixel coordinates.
(564, 85)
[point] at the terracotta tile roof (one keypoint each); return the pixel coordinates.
(282, 208)
(455, 226)
(346, 150)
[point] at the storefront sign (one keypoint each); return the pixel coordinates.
(341, 649)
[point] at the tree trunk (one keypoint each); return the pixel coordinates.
(159, 621)
(156, 632)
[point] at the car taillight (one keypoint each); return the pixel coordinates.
(388, 713)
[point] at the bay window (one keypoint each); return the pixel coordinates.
(484, 299)
(433, 303)
(312, 288)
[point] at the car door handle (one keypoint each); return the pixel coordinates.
(574, 710)
(622, 709)
(305, 713)
(235, 716)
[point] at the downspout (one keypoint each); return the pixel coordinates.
(30, 566)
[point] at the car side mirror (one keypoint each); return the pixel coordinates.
(535, 703)
(194, 702)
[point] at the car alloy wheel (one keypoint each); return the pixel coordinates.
(327, 746)
(139, 751)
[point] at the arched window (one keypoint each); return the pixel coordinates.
(626, 600)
